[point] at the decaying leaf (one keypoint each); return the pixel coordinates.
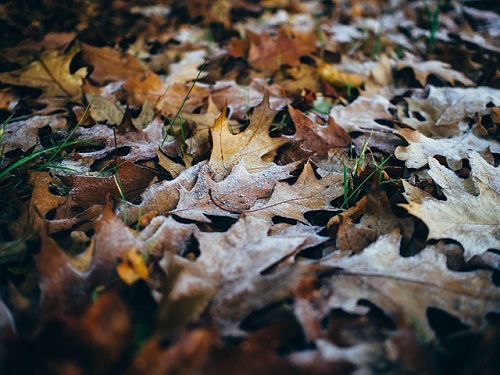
(253, 145)
(268, 54)
(315, 137)
(233, 263)
(235, 194)
(51, 74)
(376, 221)
(466, 216)
(423, 69)
(132, 267)
(407, 287)
(447, 111)
(454, 149)
(361, 115)
(308, 193)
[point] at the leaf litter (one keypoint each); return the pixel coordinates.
(232, 187)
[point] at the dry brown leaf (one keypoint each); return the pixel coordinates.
(61, 276)
(240, 99)
(422, 70)
(454, 149)
(406, 287)
(111, 65)
(24, 134)
(132, 267)
(230, 197)
(485, 172)
(268, 54)
(308, 193)
(360, 115)
(233, 263)
(252, 145)
(468, 217)
(130, 180)
(446, 110)
(51, 74)
(161, 197)
(140, 144)
(316, 137)
(377, 220)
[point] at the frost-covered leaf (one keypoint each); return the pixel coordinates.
(230, 197)
(454, 149)
(360, 115)
(472, 220)
(407, 287)
(423, 69)
(251, 145)
(308, 193)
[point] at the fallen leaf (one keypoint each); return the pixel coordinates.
(268, 54)
(361, 114)
(454, 149)
(51, 74)
(467, 217)
(407, 287)
(24, 134)
(377, 220)
(232, 263)
(235, 194)
(240, 99)
(159, 197)
(315, 137)
(129, 181)
(252, 145)
(110, 65)
(446, 111)
(422, 70)
(132, 267)
(308, 193)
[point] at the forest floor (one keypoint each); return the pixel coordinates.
(234, 187)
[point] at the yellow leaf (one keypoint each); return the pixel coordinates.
(133, 267)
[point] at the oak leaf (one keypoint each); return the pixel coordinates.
(110, 64)
(236, 193)
(407, 287)
(316, 137)
(268, 54)
(468, 217)
(160, 197)
(308, 193)
(252, 145)
(454, 148)
(51, 74)
(237, 265)
(446, 110)
(361, 114)
(129, 181)
(422, 70)
(377, 220)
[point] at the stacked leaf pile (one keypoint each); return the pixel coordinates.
(272, 187)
